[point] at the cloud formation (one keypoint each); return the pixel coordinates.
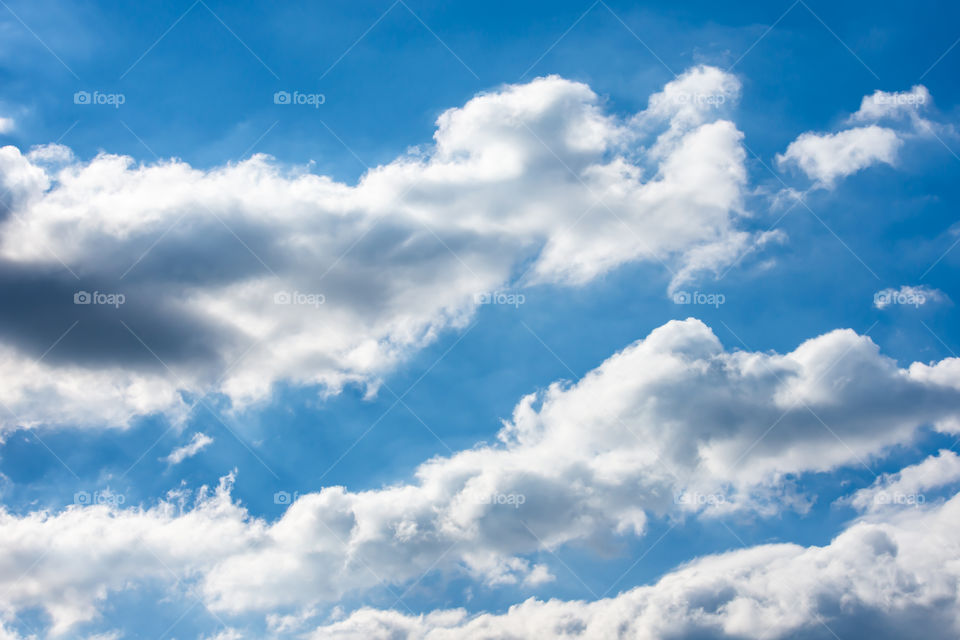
(669, 419)
(886, 579)
(189, 281)
(887, 120)
(829, 156)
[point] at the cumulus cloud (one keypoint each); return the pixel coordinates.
(227, 280)
(887, 119)
(908, 295)
(879, 579)
(192, 448)
(672, 426)
(826, 157)
(668, 420)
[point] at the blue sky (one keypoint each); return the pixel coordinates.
(815, 178)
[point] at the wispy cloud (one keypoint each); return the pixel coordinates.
(192, 448)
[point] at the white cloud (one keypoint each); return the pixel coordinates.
(192, 448)
(73, 394)
(68, 562)
(673, 425)
(52, 154)
(879, 579)
(287, 624)
(894, 105)
(827, 157)
(6, 125)
(367, 272)
(907, 295)
(21, 181)
(909, 485)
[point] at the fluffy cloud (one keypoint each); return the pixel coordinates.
(879, 579)
(827, 157)
(227, 280)
(668, 420)
(68, 562)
